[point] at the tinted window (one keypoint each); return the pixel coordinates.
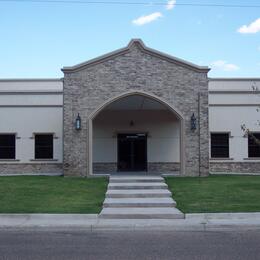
(253, 146)
(7, 146)
(220, 145)
(43, 146)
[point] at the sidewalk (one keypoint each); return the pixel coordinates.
(192, 222)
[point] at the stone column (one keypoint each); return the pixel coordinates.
(203, 125)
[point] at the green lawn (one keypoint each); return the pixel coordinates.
(216, 193)
(82, 195)
(51, 194)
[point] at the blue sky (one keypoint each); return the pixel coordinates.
(37, 39)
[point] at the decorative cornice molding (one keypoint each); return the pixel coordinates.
(31, 105)
(235, 79)
(30, 92)
(233, 92)
(234, 105)
(141, 45)
(31, 80)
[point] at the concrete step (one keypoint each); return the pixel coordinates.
(137, 185)
(141, 213)
(124, 179)
(153, 193)
(138, 202)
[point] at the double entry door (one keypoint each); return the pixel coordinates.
(132, 152)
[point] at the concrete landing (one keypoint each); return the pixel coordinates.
(142, 213)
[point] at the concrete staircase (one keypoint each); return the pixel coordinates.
(139, 197)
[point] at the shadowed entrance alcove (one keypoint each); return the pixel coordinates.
(136, 133)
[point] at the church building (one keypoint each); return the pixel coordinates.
(132, 111)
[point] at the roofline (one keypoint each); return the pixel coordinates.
(234, 91)
(235, 79)
(30, 79)
(30, 92)
(127, 49)
(178, 60)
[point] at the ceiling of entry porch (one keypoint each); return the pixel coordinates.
(136, 102)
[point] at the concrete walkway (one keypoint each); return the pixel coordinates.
(139, 197)
(192, 222)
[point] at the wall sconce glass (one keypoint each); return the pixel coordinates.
(78, 123)
(193, 120)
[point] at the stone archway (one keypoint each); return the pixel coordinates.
(149, 96)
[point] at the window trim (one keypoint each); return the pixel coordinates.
(252, 159)
(43, 159)
(44, 133)
(222, 132)
(221, 158)
(15, 145)
(9, 160)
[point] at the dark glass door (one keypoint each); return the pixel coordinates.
(132, 152)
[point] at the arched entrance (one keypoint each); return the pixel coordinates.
(136, 132)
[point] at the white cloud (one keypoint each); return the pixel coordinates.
(170, 5)
(223, 65)
(147, 18)
(253, 27)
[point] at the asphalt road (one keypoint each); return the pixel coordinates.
(128, 245)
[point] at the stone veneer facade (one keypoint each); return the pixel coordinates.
(163, 167)
(136, 68)
(151, 167)
(31, 168)
(235, 167)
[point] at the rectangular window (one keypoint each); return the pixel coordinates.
(7, 146)
(43, 146)
(219, 145)
(253, 147)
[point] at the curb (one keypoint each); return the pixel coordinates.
(227, 216)
(91, 222)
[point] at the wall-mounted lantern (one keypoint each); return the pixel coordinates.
(193, 124)
(78, 123)
(131, 123)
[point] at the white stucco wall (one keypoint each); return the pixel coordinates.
(163, 143)
(231, 104)
(28, 107)
(31, 106)
(241, 99)
(229, 84)
(31, 99)
(230, 119)
(18, 85)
